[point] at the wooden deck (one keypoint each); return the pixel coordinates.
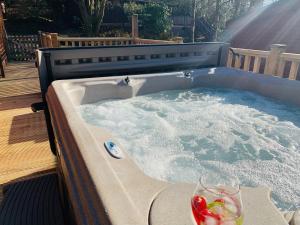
(20, 79)
(24, 148)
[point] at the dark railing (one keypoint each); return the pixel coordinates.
(22, 47)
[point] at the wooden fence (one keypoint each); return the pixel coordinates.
(53, 40)
(274, 62)
(22, 47)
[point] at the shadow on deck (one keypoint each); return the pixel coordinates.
(28, 127)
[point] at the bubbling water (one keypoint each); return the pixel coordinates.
(181, 135)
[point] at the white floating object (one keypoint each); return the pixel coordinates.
(212, 71)
(211, 221)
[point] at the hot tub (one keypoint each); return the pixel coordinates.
(109, 189)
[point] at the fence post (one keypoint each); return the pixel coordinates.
(40, 37)
(274, 58)
(48, 41)
(54, 39)
(43, 40)
(134, 26)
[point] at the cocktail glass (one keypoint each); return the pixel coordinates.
(216, 202)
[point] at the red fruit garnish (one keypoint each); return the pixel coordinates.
(199, 203)
(220, 200)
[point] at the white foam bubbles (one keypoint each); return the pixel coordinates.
(179, 135)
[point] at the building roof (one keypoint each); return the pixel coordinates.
(277, 24)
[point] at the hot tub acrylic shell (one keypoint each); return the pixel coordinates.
(106, 190)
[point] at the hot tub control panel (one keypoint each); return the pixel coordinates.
(113, 149)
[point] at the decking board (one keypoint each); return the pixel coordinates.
(24, 147)
(20, 79)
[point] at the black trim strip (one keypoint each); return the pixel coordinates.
(50, 78)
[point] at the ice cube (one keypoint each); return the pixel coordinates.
(231, 205)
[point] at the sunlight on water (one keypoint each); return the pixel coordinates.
(179, 135)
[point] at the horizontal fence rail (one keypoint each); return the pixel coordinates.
(82, 42)
(274, 62)
(140, 41)
(53, 40)
(22, 47)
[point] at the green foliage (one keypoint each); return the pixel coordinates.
(28, 9)
(215, 13)
(219, 12)
(155, 19)
(133, 8)
(115, 33)
(180, 8)
(212, 16)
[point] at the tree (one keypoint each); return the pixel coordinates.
(154, 17)
(194, 21)
(92, 12)
(217, 18)
(256, 2)
(219, 12)
(213, 13)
